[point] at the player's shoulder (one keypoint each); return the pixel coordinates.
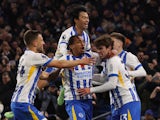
(130, 55)
(66, 34)
(33, 55)
(68, 30)
(29, 53)
(114, 59)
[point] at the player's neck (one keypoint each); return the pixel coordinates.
(76, 54)
(78, 30)
(32, 49)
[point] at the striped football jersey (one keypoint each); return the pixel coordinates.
(29, 69)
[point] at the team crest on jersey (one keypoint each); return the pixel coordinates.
(80, 115)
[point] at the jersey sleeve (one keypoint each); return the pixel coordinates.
(40, 59)
(109, 85)
(62, 45)
(132, 61)
(112, 66)
(136, 68)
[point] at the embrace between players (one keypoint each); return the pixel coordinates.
(78, 73)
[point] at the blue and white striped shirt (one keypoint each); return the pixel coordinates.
(77, 77)
(29, 69)
(63, 41)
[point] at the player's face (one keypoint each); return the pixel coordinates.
(117, 44)
(103, 51)
(40, 44)
(78, 47)
(83, 20)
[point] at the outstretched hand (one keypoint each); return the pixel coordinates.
(83, 91)
(112, 53)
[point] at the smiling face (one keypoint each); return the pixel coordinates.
(82, 21)
(77, 45)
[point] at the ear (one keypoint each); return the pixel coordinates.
(70, 47)
(75, 20)
(34, 43)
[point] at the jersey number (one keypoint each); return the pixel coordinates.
(22, 71)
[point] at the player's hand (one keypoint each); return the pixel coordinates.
(157, 89)
(83, 91)
(149, 78)
(87, 61)
(112, 53)
(94, 96)
(132, 79)
(44, 75)
(94, 99)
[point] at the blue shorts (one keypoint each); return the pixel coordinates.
(129, 111)
(79, 109)
(25, 111)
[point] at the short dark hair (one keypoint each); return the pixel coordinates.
(30, 36)
(71, 40)
(119, 36)
(74, 10)
(103, 41)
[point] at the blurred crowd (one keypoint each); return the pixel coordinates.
(138, 20)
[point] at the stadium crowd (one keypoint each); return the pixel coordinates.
(138, 20)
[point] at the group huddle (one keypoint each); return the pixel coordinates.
(75, 61)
